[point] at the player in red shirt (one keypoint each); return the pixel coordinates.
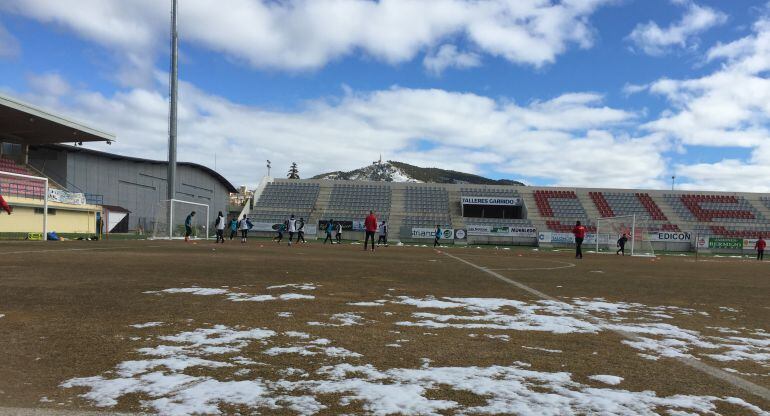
(370, 225)
(5, 206)
(580, 233)
(760, 246)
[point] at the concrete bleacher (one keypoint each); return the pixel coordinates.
(426, 206)
(708, 208)
(640, 204)
(279, 200)
(560, 209)
(352, 202)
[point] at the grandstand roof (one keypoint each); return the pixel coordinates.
(113, 156)
(26, 124)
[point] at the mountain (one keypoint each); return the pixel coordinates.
(392, 171)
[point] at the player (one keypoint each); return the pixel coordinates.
(339, 232)
(188, 226)
(245, 226)
(301, 230)
(383, 235)
(7, 208)
(220, 226)
(622, 244)
(292, 223)
(580, 233)
(760, 247)
(370, 225)
(281, 228)
(329, 229)
(437, 236)
(233, 227)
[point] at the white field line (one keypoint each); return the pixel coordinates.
(76, 249)
(729, 378)
(565, 265)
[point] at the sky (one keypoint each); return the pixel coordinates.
(600, 93)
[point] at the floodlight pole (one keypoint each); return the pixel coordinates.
(171, 176)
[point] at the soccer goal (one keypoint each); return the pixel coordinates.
(609, 230)
(30, 191)
(170, 217)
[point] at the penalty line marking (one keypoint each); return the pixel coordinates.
(729, 378)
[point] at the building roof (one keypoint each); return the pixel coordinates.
(26, 124)
(113, 156)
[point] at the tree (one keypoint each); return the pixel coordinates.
(293, 171)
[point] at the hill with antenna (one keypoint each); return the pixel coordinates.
(392, 171)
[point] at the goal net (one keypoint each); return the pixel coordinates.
(610, 230)
(171, 215)
(27, 195)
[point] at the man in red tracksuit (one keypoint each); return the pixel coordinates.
(760, 246)
(370, 225)
(5, 205)
(580, 233)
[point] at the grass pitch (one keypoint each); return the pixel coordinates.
(179, 328)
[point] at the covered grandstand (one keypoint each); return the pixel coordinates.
(83, 181)
(21, 126)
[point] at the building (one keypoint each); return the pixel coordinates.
(134, 184)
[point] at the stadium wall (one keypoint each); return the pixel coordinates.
(138, 185)
(62, 218)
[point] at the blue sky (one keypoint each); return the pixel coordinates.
(579, 92)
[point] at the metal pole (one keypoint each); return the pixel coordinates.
(45, 212)
(633, 234)
(171, 177)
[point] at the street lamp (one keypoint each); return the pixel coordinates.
(673, 178)
(268, 168)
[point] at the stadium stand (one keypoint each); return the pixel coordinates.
(641, 204)
(708, 208)
(279, 200)
(426, 207)
(561, 209)
(490, 192)
(352, 202)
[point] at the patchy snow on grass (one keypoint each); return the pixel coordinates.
(341, 319)
(300, 286)
(583, 315)
(238, 296)
(375, 303)
(147, 325)
(503, 390)
(542, 349)
(285, 314)
(606, 379)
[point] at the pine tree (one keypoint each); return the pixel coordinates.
(293, 171)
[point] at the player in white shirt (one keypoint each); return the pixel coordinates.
(292, 228)
(220, 225)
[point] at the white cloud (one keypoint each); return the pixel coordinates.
(563, 140)
(307, 34)
(654, 40)
(448, 56)
(728, 108)
(9, 45)
(49, 84)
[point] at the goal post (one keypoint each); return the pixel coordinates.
(170, 217)
(30, 188)
(610, 229)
